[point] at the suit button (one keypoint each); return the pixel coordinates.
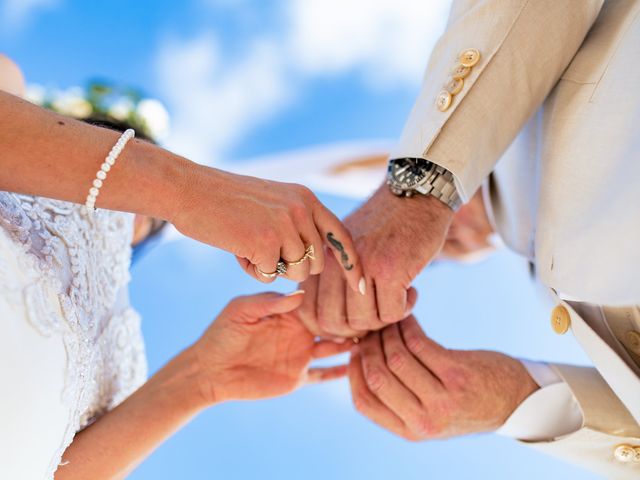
(633, 341)
(470, 57)
(624, 453)
(461, 72)
(560, 320)
(454, 86)
(443, 101)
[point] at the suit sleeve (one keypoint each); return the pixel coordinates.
(609, 441)
(524, 46)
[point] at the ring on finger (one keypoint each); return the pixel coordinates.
(309, 253)
(281, 269)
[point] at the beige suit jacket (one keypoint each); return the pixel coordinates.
(555, 98)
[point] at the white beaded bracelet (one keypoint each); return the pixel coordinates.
(109, 162)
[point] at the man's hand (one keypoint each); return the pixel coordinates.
(410, 385)
(395, 239)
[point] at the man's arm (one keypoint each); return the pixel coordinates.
(410, 385)
(523, 46)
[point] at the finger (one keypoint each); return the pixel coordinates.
(367, 404)
(310, 234)
(331, 303)
(327, 348)
(251, 308)
(307, 311)
(412, 299)
(362, 310)
(254, 270)
(317, 375)
(338, 238)
(401, 362)
(292, 251)
(392, 302)
(429, 353)
(250, 269)
(389, 390)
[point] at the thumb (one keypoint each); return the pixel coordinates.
(252, 308)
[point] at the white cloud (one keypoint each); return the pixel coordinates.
(216, 100)
(388, 40)
(213, 102)
(16, 14)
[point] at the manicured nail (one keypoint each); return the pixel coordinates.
(362, 286)
(297, 292)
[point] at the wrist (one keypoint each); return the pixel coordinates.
(180, 379)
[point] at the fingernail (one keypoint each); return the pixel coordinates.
(297, 292)
(362, 286)
(339, 340)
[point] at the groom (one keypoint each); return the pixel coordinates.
(549, 88)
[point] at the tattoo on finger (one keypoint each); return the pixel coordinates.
(337, 244)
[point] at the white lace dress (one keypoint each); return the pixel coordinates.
(70, 344)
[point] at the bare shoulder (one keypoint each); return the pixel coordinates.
(11, 78)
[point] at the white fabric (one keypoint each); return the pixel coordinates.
(70, 345)
(548, 413)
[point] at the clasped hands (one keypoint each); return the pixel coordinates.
(262, 346)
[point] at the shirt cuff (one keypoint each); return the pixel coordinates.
(547, 413)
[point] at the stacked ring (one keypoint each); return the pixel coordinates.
(282, 266)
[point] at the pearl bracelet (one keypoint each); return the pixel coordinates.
(109, 162)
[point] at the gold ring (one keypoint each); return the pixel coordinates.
(355, 340)
(281, 269)
(308, 253)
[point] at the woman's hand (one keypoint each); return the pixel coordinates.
(257, 348)
(261, 222)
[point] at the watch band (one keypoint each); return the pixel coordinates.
(440, 184)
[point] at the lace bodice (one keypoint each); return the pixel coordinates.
(69, 273)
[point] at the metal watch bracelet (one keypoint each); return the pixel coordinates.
(440, 184)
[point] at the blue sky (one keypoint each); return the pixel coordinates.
(246, 78)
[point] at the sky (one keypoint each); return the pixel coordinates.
(245, 79)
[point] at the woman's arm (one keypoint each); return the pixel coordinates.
(50, 155)
(255, 349)
(46, 154)
(114, 445)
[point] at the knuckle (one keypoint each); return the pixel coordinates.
(375, 378)
(423, 427)
(269, 236)
(396, 362)
(361, 402)
(415, 344)
(389, 318)
(383, 268)
(298, 210)
(456, 379)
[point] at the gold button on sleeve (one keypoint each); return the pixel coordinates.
(624, 453)
(633, 341)
(454, 86)
(461, 72)
(560, 320)
(443, 101)
(470, 57)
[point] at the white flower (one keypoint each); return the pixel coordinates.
(121, 109)
(155, 116)
(36, 94)
(73, 104)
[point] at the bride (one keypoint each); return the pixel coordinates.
(75, 403)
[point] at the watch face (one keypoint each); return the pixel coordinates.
(407, 173)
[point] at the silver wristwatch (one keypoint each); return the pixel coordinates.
(407, 176)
